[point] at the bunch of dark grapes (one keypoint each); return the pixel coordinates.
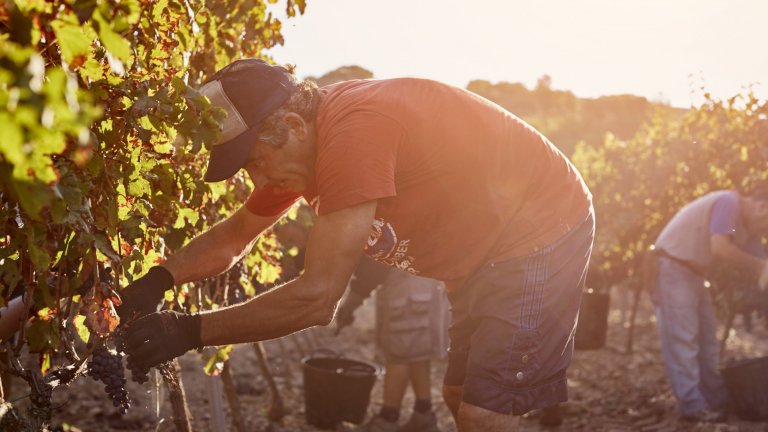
(107, 366)
(138, 374)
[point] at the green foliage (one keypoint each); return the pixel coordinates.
(640, 183)
(215, 362)
(567, 119)
(100, 161)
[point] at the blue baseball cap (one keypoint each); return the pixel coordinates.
(249, 90)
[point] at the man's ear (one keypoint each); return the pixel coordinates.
(297, 124)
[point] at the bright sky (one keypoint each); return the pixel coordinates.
(661, 49)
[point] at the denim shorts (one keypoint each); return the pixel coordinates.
(513, 324)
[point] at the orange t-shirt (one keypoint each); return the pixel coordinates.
(460, 182)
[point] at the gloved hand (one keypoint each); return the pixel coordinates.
(142, 296)
(345, 315)
(161, 336)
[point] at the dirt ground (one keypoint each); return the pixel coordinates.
(609, 390)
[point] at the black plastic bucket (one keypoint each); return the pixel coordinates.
(337, 389)
(747, 384)
(592, 329)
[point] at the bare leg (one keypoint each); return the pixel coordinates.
(395, 384)
(476, 419)
(420, 379)
(423, 418)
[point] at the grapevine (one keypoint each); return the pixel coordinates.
(101, 149)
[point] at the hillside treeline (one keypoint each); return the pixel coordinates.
(567, 119)
(563, 117)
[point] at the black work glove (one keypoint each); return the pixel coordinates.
(345, 315)
(142, 296)
(161, 336)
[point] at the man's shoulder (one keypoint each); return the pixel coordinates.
(725, 197)
(347, 97)
(728, 198)
(362, 106)
(697, 210)
(727, 194)
(718, 194)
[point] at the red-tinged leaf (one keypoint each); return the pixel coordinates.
(100, 315)
(114, 297)
(46, 314)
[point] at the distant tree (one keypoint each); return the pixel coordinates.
(513, 96)
(343, 73)
(544, 83)
(567, 119)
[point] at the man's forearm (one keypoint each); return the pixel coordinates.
(333, 249)
(276, 313)
(207, 255)
(730, 253)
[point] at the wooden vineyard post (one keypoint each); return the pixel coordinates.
(232, 398)
(647, 282)
(286, 363)
(276, 409)
(171, 373)
(217, 404)
(632, 318)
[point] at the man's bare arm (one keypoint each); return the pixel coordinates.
(216, 250)
(724, 249)
(333, 250)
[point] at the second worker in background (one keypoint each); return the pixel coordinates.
(411, 330)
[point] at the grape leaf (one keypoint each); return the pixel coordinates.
(113, 42)
(215, 363)
(75, 44)
(81, 328)
(100, 315)
(43, 335)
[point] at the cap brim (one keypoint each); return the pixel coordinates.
(227, 158)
